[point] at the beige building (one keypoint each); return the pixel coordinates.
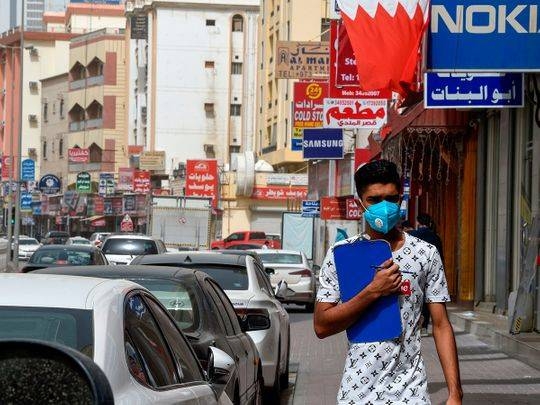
(96, 106)
(54, 126)
(280, 20)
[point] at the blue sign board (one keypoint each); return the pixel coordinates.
(484, 35)
(49, 184)
(473, 90)
(26, 201)
(323, 143)
(36, 207)
(28, 170)
(296, 144)
(311, 209)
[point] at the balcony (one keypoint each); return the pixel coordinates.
(77, 84)
(94, 81)
(76, 126)
(94, 123)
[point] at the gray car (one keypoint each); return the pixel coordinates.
(242, 276)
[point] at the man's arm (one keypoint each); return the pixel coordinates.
(331, 318)
(445, 342)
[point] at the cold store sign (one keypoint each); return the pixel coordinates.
(483, 35)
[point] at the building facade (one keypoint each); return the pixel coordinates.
(192, 78)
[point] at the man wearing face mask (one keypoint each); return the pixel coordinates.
(389, 372)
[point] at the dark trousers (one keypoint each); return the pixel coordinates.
(426, 315)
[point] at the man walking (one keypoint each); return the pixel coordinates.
(389, 372)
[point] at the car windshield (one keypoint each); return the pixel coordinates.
(281, 258)
(58, 234)
(28, 242)
(61, 256)
(179, 299)
(69, 327)
(133, 247)
(81, 242)
(228, 277)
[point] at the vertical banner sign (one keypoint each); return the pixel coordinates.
(125, 178)
(6, 167)
(202, 179)
(141, 182)
(296, 140)
(84, 182)
(129, 204)
(106, 184)
(26, 202)
(28, 170)
(308, 104)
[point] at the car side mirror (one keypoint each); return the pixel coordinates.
(269, 270)
(254, 321)
(220, 369)
(41, 372)
(281, 290)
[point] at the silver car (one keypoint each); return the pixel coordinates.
(292, 267)
(241, 274)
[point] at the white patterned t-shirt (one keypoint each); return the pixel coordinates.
(391, 372)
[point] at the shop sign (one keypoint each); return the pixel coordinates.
(106, 184)
(474, 90)
(311, 209)
(127, 224)
(6, 167)
(139, 26)
(129, 203)
(353, 210)
(308, 104)
(36, 207)
(323, 143)
(99, 205)
(484, 36)
(78, 155)
(84, 182)
(279, 193)
(108, 206)
(154, 160)
(302, 60)
(28, 170)
(125, 178)
(49, 184)
(349, 113)
(98, 223)
(286, 179)
(117, 206)
(141, 182)
(333, 208)
(26, 202)
(343, 81)
(296, 139)
(141, 203)
(202, 179)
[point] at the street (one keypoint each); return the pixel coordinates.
(488, 376)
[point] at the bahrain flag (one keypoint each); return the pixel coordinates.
(386, 37)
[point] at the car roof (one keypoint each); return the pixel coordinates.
(189, 258)
(290, 252)
(80, 248)
(130, 236)
(57, 291)
(122, 271)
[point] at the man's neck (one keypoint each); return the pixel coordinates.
(395, 238)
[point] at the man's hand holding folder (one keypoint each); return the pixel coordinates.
(387, 279)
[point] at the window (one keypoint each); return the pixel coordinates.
(44, 149)
(133, 247)
(210, 23)
(257, 235)
(62, 108)
(143, 334)
(188, 368)
(236, 110)
(236, 68)
(281, 258)
(229, 329)
(209, 110)
(61, 148)
(209, 64)
(45, 112)
(228, 277)
(238, 23)
(227, 305)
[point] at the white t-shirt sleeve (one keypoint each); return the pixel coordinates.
(436, 285)
(329, 286)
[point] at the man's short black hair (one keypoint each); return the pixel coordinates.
(379, 171)
(425, 220)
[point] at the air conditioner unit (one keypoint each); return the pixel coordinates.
(33, 85)
(208, 148)
(32, 118)
(34, 52)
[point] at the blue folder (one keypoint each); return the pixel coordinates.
(355, 266)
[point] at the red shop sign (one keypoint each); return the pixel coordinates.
(202, 179)
(279, 193)
(353, 209)
(308, 104)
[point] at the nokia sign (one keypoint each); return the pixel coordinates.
(484, 35)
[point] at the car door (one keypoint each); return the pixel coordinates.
(234, 335)
(154, 374)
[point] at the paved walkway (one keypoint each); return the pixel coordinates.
(488, 376)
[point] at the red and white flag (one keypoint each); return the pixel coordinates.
(386, 36)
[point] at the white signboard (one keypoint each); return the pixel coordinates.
(349, 113)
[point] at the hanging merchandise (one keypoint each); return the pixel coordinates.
(404, 207)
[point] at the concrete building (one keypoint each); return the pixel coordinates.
(192, 78)
(10, 13)
(54, 126)
(299, 20)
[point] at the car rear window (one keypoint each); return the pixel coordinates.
(28, 242)
(62, 256)
(179, 299)
(228, 277)
(69, 327)
(134, 247)
(58, 234)
(281, 258)
(257, 235)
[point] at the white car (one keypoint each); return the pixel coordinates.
(292, 267)
(27, 247)
(78, 240)
(117, 323)
(241, 275)
(123, 248)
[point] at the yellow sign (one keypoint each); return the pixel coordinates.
(302, 60)
(152, 161)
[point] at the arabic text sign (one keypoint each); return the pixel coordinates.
(333, 208)
(296, 139)
(49, 184)
(354, 113)
(202, 179)
(84, 182)
(154, 160)
(483, 35)
(141, 182)
(28, 170)
(279, 193)
(125, 178)
(323, 144)
(311, 208)
(308, 104)
(26, 202)
(6, 167)
(474, 90)
(106, 184)
(78, 155)
(301, 60)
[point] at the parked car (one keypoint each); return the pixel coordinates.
(242, 276)
(27, 247)
(97, 238)
(202, 311)
(55, 238)
(64, 255)
(243, 238)
(78, 240)
(292, 267)
(245, 246)
(118, 324)
(274, 237)
(122, 248)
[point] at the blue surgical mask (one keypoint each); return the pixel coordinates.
(383, 216)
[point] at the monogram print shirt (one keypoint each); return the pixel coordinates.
(391, 372)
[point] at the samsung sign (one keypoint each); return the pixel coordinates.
(322, 143)
(484, 35)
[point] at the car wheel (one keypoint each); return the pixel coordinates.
(284, 378)
(310, 307)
